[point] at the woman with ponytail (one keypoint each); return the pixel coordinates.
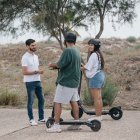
(95, 75)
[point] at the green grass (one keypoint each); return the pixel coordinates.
(9, 98)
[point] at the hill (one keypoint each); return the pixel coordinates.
(122, 64)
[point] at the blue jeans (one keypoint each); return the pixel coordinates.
(35, 88)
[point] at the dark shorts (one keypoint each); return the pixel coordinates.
(97, 81)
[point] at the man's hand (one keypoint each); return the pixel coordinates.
(40, 72)
(53, 66)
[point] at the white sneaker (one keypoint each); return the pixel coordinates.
(99, 118)
(54, 128)
(42, 121)
(33, 123)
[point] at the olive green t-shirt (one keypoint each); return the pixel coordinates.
(69, 66)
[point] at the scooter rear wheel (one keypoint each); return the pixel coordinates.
(95, 125)
(49, 122)
(116, 113)
(80, 113)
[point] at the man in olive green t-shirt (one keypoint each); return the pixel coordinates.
(68, 81)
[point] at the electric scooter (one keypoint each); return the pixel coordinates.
(116, 113)
(95, 125)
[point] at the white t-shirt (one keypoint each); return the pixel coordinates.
(92, 66)
(31, 62)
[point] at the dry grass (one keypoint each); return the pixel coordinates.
(122, 65)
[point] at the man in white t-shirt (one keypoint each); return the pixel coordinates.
(31, 72)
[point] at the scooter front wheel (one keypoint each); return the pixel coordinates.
(95, 125)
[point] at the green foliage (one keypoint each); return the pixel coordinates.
(109, 92)
(9, 98)
(131, 39)
(137, 46)
(55, 17)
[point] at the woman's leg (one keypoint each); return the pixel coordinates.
(97, 98)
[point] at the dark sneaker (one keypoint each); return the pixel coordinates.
(42, 121)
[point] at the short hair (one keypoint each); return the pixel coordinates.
(70, 37)
(29, 42)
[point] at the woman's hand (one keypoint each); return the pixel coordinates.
(83, 68)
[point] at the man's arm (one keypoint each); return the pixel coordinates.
(63, 61)
(26, 72)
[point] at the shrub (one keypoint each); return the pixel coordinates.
(109, 92)
(137, 46)
(131, 39)
(9, 98)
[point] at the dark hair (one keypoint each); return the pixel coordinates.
(97, 45)
(70, 37)
(29, 42)
(102, 58)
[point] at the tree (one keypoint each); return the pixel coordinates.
(59, 17)
(53, 17)
(118, 11)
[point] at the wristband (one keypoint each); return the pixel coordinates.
(35, 72)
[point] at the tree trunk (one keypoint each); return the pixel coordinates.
(59, 41)
(101, 27)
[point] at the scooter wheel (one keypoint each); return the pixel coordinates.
(80, 113)
(49, 122)
(116, 113)
(95, 125)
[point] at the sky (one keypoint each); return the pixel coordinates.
(122, 31)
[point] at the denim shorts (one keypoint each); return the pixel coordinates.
(97, 81)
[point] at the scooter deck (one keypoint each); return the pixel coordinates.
(67, 122)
